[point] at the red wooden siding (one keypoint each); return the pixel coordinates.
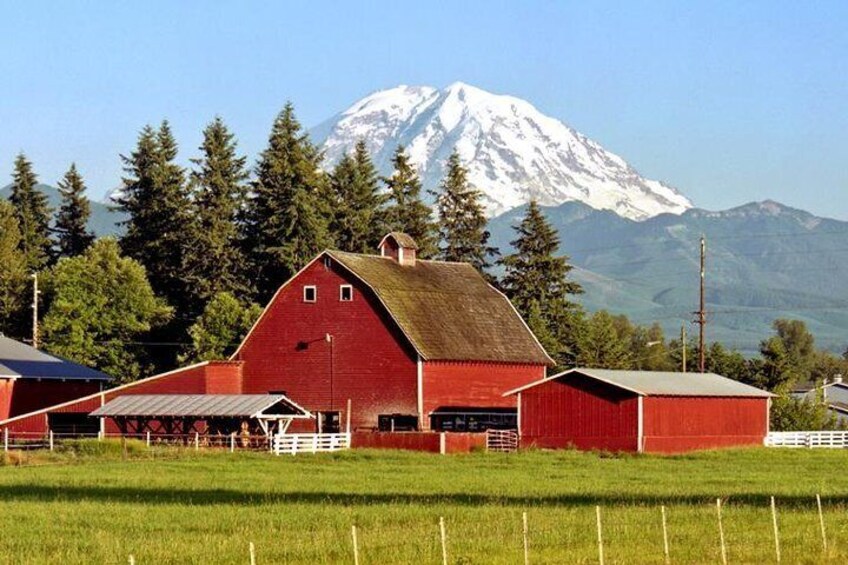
(452, 383)
(676, 424)
(6, 386)
(420, 441)
(579, 412)
(29, 395)
(371, 363)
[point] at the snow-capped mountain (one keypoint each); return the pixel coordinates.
(513, 151)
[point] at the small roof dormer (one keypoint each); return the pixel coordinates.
(400, 247)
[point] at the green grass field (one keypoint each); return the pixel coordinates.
(92, 506)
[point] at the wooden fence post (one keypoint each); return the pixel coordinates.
(5, 439)
(252, 554)
(721, 533)
(232, 442)
(526, 545)
(50, 438)
(821, 522)
(444, 537)
(665, 536)
(355, 545)
(131, 560)
(600, 536)
(776, 533)
(148, 438)
(196, 441)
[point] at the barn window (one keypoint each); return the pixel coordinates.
(346, 293)
(310, 294)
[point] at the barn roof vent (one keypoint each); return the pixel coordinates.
(400, 247)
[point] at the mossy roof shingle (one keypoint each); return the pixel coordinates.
(447, 310)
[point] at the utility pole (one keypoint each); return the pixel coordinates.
(35, 293)
(702, 310)
(683, 345)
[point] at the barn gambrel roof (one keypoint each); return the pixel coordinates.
(447, 310)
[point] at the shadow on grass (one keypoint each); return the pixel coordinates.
(232, 497)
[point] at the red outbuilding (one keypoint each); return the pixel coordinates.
(407, 344)
(640, 411)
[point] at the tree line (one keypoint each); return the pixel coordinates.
(202, 247)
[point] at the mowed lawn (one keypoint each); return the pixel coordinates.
(167, 507)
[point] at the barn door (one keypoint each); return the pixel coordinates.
(329, 422)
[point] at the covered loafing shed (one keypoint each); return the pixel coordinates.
(213, 414)
(640, 411)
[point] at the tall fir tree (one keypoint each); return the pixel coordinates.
(215, 259)
(13, 274)
(287, 221)
(536, 277)
(155, 198)
(462, 222)
(33, 215)
(358, 221)
(73, 235)
(406, 211)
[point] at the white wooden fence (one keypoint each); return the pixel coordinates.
(309, 443)
(501, 440)
(835, 440)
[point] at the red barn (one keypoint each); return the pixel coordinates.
(641, 411)
(411, 344)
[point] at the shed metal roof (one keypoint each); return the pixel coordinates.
(662, 383)
(21, 361)
(200, 405)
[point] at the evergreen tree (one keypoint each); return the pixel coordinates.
(462, 223)
(214, 259)
(602, 346)
(13, 274)
(155, 198)
(357, 205)
(286, 219)
(74, 236)
(33, 215)
(101, 302)
(224, 323)
(406, 211)
(535, 275)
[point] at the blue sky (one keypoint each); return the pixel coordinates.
(728, 101)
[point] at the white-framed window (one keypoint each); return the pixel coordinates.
(310, 294)
(345, 293)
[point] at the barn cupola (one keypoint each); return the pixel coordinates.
(400, 247)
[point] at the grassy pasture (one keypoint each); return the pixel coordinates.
(91, 505)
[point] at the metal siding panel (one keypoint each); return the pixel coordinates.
(580, 412)
(372, 365)
(677, 424)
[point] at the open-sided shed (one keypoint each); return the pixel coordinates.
(644, 411)
(205, 413)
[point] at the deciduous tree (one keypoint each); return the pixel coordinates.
(101, 304)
